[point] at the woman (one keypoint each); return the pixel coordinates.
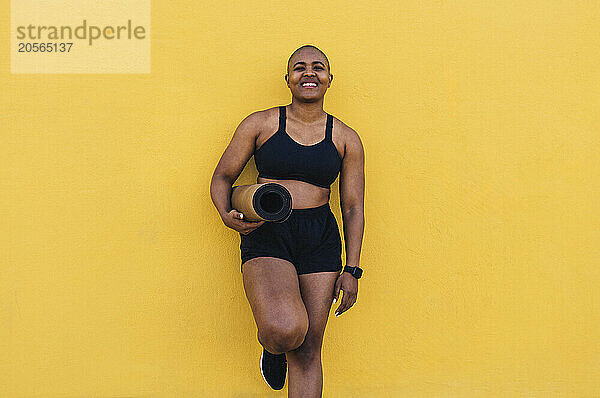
(291, 270)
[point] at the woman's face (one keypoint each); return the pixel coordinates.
(308, 75)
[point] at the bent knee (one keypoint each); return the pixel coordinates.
(283, 336)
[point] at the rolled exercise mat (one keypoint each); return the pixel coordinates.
(268, 201)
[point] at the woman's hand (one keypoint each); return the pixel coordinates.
(349, 285)
(235, 220)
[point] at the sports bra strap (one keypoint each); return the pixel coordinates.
(282, 118)
(329, 127)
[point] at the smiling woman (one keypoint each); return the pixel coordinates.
(291, 270)
(320, 66)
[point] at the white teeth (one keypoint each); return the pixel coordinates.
(309, 85)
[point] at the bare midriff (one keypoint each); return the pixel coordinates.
(304, 195)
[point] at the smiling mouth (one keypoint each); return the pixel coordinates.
(308, 85)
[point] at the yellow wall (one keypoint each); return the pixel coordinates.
(480, 124)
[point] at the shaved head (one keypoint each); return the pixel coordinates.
(308, 46)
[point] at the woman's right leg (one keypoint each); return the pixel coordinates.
(272, 288)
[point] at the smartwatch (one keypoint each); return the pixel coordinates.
(354, 271)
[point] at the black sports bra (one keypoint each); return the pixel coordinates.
(282, 158)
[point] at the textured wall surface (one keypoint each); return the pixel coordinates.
(481, 251)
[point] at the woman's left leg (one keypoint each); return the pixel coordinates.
(305, 373)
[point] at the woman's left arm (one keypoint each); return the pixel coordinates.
(352, 196)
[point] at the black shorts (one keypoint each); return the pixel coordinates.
(309, 239)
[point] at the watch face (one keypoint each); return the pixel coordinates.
(355, 271)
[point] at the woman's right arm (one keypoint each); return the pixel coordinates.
(231, 164)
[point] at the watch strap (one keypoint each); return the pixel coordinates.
(354, 271)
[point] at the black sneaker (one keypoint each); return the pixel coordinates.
(273, 369)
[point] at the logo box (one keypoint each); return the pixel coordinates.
(74, 36)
